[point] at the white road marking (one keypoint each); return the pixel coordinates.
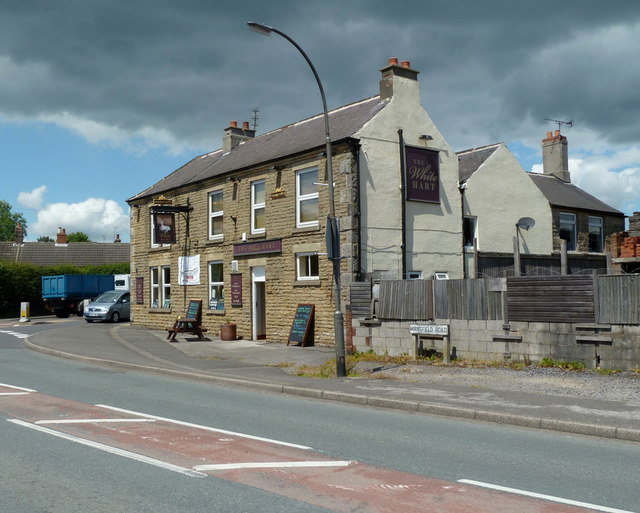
(17, 388)
(543, 496)
(15, 334)
(207, 428)
(273, 464)
(14, 393)
(90, 421)
(113, 450)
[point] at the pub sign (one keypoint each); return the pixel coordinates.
(164, 229)
(422, 175)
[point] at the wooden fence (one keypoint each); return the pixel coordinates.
(572, 298)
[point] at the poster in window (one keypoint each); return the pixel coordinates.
(422, 175)
(189, 270)
(164, 231)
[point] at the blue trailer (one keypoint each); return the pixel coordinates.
(64, 294)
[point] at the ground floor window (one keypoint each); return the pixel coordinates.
(307, 266)
(568, 230)
(216, 286)
(161, 287)
(595, 235)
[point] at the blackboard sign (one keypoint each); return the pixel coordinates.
(302, 325)
(193, 309)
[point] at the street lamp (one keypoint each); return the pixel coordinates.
(333, 235)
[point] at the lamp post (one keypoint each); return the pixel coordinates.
(333, 234)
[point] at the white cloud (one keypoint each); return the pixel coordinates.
(101, 219)
(32, 199)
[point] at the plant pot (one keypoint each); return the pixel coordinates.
(228, 332)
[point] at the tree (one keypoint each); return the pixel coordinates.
(78, 237)
(45, 238)
(8, 222)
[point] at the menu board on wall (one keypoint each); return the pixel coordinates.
(139, 290)
(236, 290)
(302, 325)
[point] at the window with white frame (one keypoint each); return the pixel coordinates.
(258, 194)
(307, 197)
(308, 267)
(216, 214)
(596, 235)
(567, 230)
(161, 287)
(216, 285)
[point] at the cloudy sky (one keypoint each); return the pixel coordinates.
(101, 98)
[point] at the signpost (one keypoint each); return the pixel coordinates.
(432, 331)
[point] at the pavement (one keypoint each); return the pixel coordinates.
(271, 367)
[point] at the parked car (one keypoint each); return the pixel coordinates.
(109, 306)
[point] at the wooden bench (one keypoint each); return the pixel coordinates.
(190, 323)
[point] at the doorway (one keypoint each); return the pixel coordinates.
(258, 293)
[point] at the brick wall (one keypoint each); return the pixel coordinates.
(283, 291)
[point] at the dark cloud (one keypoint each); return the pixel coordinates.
(189, 67)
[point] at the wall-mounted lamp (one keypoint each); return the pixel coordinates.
(234, 219)
(277, 167)
(232, 179)
(426, 137)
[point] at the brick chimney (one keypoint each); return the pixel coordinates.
(117, 239)
(234, 135)
(398, 80)
(555, 158)
(61, 236)
(19, 234)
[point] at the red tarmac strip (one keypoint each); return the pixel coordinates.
(294, 472)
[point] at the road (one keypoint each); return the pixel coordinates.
(75, 437)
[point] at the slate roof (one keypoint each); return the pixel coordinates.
(557, 192)
(298, 137)
(470, 160)
(74, 253)
(567, 195)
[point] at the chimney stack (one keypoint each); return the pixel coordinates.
(555, 156)
(234, 135)
(117, 238)
(19, 234)
(398, 78)
(61, 237)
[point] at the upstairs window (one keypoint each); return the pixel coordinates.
(216, 214)
(258, 194)
(567, 230)
(596, 235)
(308, 266)
(307, 198)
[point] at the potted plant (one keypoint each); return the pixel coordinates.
(228, 329)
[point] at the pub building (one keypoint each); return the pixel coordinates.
(243, 228)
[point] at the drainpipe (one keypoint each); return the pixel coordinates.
(403, 188)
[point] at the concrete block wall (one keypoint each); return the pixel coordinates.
(603, 346)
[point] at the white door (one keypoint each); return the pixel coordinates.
(258, 301)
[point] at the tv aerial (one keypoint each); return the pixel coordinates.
(559, 122)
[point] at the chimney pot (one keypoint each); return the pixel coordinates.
(234, 124)
(405, 64)
(393, 61)
(549, 135)
(245, 125)
(557, 133)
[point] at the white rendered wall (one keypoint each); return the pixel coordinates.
(434, 231)
(500, 193)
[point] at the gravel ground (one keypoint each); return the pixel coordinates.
(622, 386)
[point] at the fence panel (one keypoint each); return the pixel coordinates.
(467, 299)
(406, 300)
(360, 299)
(551, 299)
(618, 299)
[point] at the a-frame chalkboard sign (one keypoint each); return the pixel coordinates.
(302, 326)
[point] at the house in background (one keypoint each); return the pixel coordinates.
(243, 227)
(505, 207)
(63, 252)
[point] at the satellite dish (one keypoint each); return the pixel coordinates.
(526, 223)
